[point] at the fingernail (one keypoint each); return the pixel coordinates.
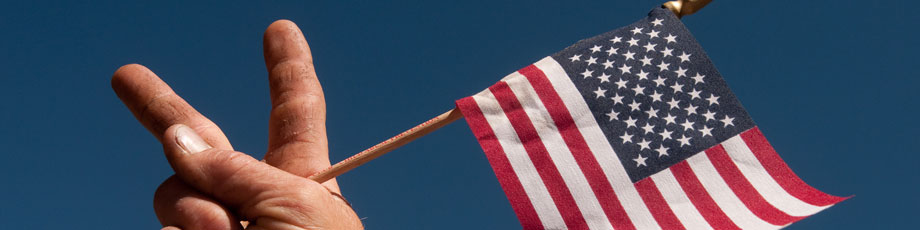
(189, 141)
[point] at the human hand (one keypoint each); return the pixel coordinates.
(216, 187)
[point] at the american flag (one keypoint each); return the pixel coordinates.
(634, 129)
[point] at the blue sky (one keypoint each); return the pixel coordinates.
(831, 84)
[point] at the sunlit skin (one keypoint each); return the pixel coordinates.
(218, 188)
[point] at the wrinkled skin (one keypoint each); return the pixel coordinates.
(218, 188)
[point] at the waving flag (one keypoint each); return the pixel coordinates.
(634, 129)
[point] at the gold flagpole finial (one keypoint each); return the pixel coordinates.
(686, 7)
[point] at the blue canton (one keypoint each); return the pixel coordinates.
(654, 92)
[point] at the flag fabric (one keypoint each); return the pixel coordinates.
(633, 129)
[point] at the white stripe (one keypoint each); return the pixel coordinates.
(764, 183)
(561, 155)
(677, 199)
(520, 161)
(723, 195)
(623, 187)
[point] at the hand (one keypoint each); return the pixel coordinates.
(216, 187)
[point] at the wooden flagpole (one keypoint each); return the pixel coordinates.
(680, 8)
(387, 146)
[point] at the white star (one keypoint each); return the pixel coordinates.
(617, 99)
(648, 128)
(631, 122)
(592, 60)
(613, 115)
(633, 42)
(625, 69)
(663, 66)
(575, 58)
(677, 87)
(596, 49)
(604, 77)
(637, 30)
(640, 161)
(608, 64)
(706, 131)
(691, 109)
(653, 34)
(709, 115)
(646, 61)
(684, 57)
(626, 138)
(667, 51)
(681, 72)
(638, 89)
(616, 39)
(713, 99)
(649, 47)
(684, 140)
(728, 121)
(662, 151)
(657, 22)
(643, 145)
(695, 94)
(669, 119)
(673, 103)
(629, 55)
(688, 125)
(611, 51)
(642, 74)
(665, 134)
(600, 92)
(634, 105)
(671, 38)
(652, 112)
(621, 83)
(587, 73)
(656, 96)
(698, 78)
(659, 81)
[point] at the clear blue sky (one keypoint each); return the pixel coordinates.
(831, 83)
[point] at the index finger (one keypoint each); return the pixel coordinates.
(157, 106)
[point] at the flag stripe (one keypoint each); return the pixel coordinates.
(744, 190)
(781, 172)
(700, 198)
(547, 169)
(524, 168)
(657, 204)
(579, 148)
(677, 199)
(738, 150)
(500, 164)
(730, 204)
(582, 116)
(563, 155)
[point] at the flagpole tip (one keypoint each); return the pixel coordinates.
(686, 7)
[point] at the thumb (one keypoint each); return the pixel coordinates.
(256, 190)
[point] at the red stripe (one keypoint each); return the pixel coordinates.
(700, 198)
(657, 205)
(579, 148)
(781, 172)
(539, 156)
(500, 164)
(744, 190)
